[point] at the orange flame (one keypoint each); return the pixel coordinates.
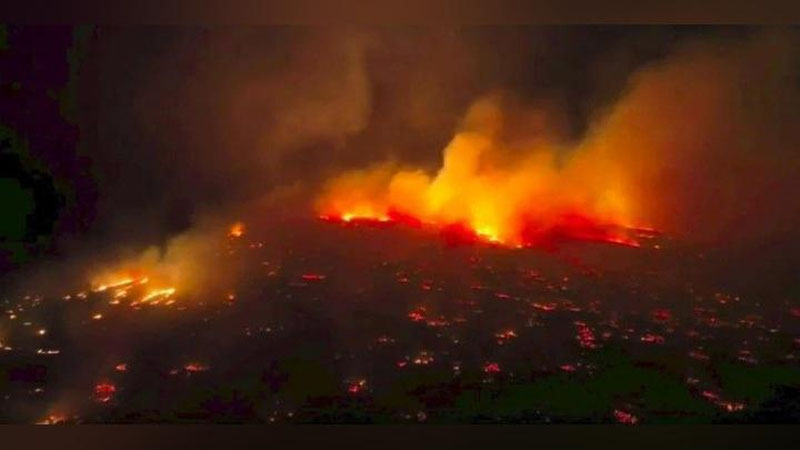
(490, 190)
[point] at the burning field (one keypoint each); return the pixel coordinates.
(381, 324)
(373, 230)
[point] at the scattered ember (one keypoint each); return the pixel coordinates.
(312, 277)
(652, 338)
(698, 355)
(491, 367)
(546, 306)
(731, 406)
(103, 392)
(417, 315)
(505, 336)
(385, 340)
(195, 367)
(585, 336)
(423, 358)
(625, 417)
(122, 367)
(746, 357)
(357, 386)
(710, 395)
(440, 322)
(662, 315)
(567, 368)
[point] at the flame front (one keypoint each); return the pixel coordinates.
(492, 189)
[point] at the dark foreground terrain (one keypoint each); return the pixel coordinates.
(361, 325)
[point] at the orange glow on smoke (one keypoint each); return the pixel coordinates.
(516, 194)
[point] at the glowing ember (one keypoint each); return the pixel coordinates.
(440, 322)
(357, 386)
(423, 359)
(312, 277)
(491, 367)
(122, 367)
(698, 355)
(731, 406)
(652, 339)
(545, 306)
(236, 230)
(662, 315)
(53, 419)
(505, 336)
(103, 392)
(625, 417)
(195, 367)
(417, 315)
(585, 336)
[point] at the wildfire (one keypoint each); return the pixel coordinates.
(482, 194)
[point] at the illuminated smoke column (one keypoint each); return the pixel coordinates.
(494, 186)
